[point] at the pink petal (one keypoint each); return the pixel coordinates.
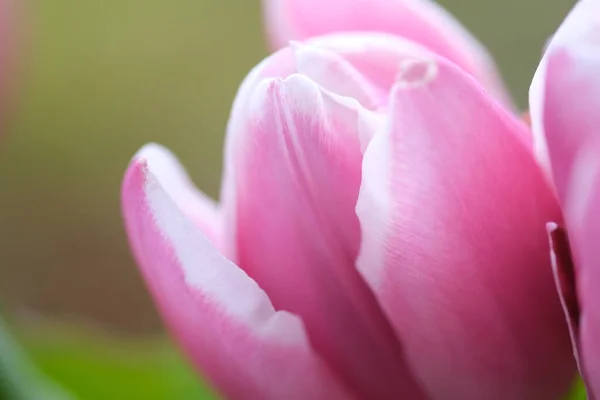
(224, 321)
(564, 102)
(422, 21)
(453, 210)
(298, 159)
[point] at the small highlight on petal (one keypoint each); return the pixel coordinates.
(416, 72)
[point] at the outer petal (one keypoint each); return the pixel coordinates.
(222, 318)
(565, 104)
(453, 210)
(298, 160)
(584, 225)
(422, 21)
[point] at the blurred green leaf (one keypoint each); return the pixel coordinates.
(578, 392)
(95, 367)
(19, 377)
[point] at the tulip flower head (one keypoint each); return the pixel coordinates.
(381, 232)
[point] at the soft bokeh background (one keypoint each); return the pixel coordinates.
(103, 77)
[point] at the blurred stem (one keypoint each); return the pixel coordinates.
(19, 378)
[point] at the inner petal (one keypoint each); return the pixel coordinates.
(378, 57)
(298, 172)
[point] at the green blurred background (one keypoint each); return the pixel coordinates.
(103, 77)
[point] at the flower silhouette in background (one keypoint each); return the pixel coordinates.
(10, 39)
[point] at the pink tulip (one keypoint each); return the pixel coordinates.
(381, 235)
(422, 21)
(565, 111)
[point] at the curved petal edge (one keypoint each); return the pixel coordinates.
(223, 320)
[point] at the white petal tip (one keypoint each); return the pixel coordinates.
(149, 151)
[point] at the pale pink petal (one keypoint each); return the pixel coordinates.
(453, 210)
(376, 58)
(582, 215)
(565, 103)
(278, 65)
(565, 93)
(223, 320)
(298, 159)
(584, 230)
(422, 21)
(334, 73)
(371, 63)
